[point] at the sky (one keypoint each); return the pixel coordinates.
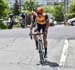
(11, 2)
(40, 1)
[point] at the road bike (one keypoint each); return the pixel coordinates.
(10, 23)
(23, 23)
(40, 46)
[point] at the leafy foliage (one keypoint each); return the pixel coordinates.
(48, 8)
(16, 9)
(3, 8)
(58, 13)
(71, 15)
(72, 7)
(2, 26)
(71, 10)
(30, 5)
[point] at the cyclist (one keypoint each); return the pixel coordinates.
(10, 15)
(23, 16)
(23, 19)
(11, 18)
(42, 23)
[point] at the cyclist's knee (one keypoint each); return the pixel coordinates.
(44, 36)
(35, 37)
(45, 39)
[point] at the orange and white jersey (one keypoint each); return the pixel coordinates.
(42, 19)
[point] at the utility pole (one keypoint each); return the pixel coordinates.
(20, 5)
(66, 11)
(30, 4)
(66, 8)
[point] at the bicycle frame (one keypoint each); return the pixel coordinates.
(40, 47)
(23, 23)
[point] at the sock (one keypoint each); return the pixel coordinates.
(36, 44)
(45, 51)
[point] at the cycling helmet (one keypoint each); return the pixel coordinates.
(39, 10)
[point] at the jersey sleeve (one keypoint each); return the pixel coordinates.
(33, 18)
(46, 18)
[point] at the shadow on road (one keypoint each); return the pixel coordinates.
(48, 63)
(51, 64)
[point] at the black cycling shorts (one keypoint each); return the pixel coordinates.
(40, 27)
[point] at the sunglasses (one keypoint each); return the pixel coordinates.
(39, 13)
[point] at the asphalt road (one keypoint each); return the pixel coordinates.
(17, 50)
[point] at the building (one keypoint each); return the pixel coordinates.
(40, 2)
(48, 1)
(45, 2)
(11, 2)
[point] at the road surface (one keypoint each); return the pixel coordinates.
(17, 50)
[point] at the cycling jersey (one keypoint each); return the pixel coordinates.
(23, 16)
(40, 21)
(11, 16)
(43, 19)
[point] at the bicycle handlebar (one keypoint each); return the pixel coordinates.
(34, 34)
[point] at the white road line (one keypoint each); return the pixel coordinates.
(63, 56)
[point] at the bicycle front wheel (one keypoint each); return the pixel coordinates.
(41, 53)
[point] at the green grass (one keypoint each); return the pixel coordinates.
(17, 25)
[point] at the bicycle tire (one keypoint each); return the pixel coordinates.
(41, 54)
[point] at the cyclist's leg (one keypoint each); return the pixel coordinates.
(36, 42)
(45, 44)
(45, 39)
(37, 29)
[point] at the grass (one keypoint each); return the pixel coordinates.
(17, 25)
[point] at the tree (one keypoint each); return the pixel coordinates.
(72, 7)
(3, 8)
(48, 8)
(58, 13)
(30, 5)
(16, 9)
(71, 10)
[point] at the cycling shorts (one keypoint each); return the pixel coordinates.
(40, 27)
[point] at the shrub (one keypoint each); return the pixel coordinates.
(71, 15)
(71, 7)
(48, 8)
(2, 26)
(58, 13)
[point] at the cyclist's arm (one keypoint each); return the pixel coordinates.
(32, 22)
(47, 22)
(31, 27)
